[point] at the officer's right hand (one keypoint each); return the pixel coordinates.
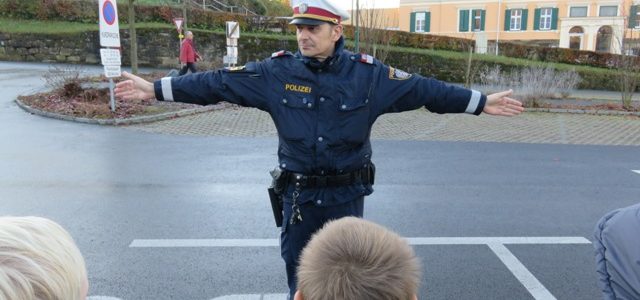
(134, 88)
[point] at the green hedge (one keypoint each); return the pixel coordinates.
(452, 69)
(561, 55)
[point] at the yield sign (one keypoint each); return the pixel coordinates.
(178, 22)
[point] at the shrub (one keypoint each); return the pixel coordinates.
(58, 76)
(530, 84)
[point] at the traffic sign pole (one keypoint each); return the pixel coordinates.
(113, 99)
(110, 38)
(233, 34)
(178, 22)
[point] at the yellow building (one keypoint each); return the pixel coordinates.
(576, 24)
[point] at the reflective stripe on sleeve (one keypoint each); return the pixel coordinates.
(167, 94)
(473, 102)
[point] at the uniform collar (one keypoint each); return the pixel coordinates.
(327, 63)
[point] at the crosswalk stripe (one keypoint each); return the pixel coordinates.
(417, 241)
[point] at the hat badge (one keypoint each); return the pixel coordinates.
(303, 8)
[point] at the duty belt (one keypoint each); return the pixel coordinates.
(365, 175)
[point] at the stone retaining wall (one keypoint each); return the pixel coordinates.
(156, 48)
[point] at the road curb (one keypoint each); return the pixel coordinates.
(601, 112)
(118, 122)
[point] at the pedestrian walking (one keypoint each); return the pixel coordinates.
(188, 55)
(323, 100)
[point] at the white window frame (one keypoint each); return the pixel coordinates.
(637, 16)
(608, 5)
(545, 19)
(516, 20)
(575, 6)
(421, 26)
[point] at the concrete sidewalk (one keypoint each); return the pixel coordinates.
(530, 127)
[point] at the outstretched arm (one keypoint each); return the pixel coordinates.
(134, 88)
(500, 104)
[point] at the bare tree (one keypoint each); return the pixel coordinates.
(132, 37)
(471, 69)
(374, 37)
(628, 64)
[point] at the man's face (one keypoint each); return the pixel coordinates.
(318, 41)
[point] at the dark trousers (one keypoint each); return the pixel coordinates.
(295, 236)
(188, 66)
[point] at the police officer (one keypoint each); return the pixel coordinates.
(323, 100)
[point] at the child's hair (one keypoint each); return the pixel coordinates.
(354, 259)
(39, 260)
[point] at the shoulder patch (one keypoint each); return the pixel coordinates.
(397, 74)
(280, 53)
(363, 58)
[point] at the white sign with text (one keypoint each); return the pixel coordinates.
(112, 71)
(110, 57)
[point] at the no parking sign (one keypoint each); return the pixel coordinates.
(109, 28)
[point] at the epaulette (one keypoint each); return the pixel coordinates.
(363, 58)
(281, 53)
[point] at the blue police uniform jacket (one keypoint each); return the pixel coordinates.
(323, 111)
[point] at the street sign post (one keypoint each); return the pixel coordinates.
(233, 30)
(110, 37)
(178, 22)
(109, 28)
(233, 34)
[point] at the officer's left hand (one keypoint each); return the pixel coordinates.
(499, 104)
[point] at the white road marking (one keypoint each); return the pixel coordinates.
(102, 298)
(181, 243)
(530, 282)
(496, 244)
(252, 297)
(496, 240)
(177, 243)
(636, 171)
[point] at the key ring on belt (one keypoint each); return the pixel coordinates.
(296, 216)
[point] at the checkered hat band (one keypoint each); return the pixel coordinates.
(318, 14)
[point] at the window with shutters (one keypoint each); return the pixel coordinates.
(578, 11)
(471, 20)
(477, 20)
(464, 20)
(608, 11)
(420, 21)
(637, 16)
(516, 19)
(545, 18)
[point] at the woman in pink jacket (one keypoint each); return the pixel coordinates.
(188, 55)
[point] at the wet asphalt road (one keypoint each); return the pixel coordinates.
(110, 186)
